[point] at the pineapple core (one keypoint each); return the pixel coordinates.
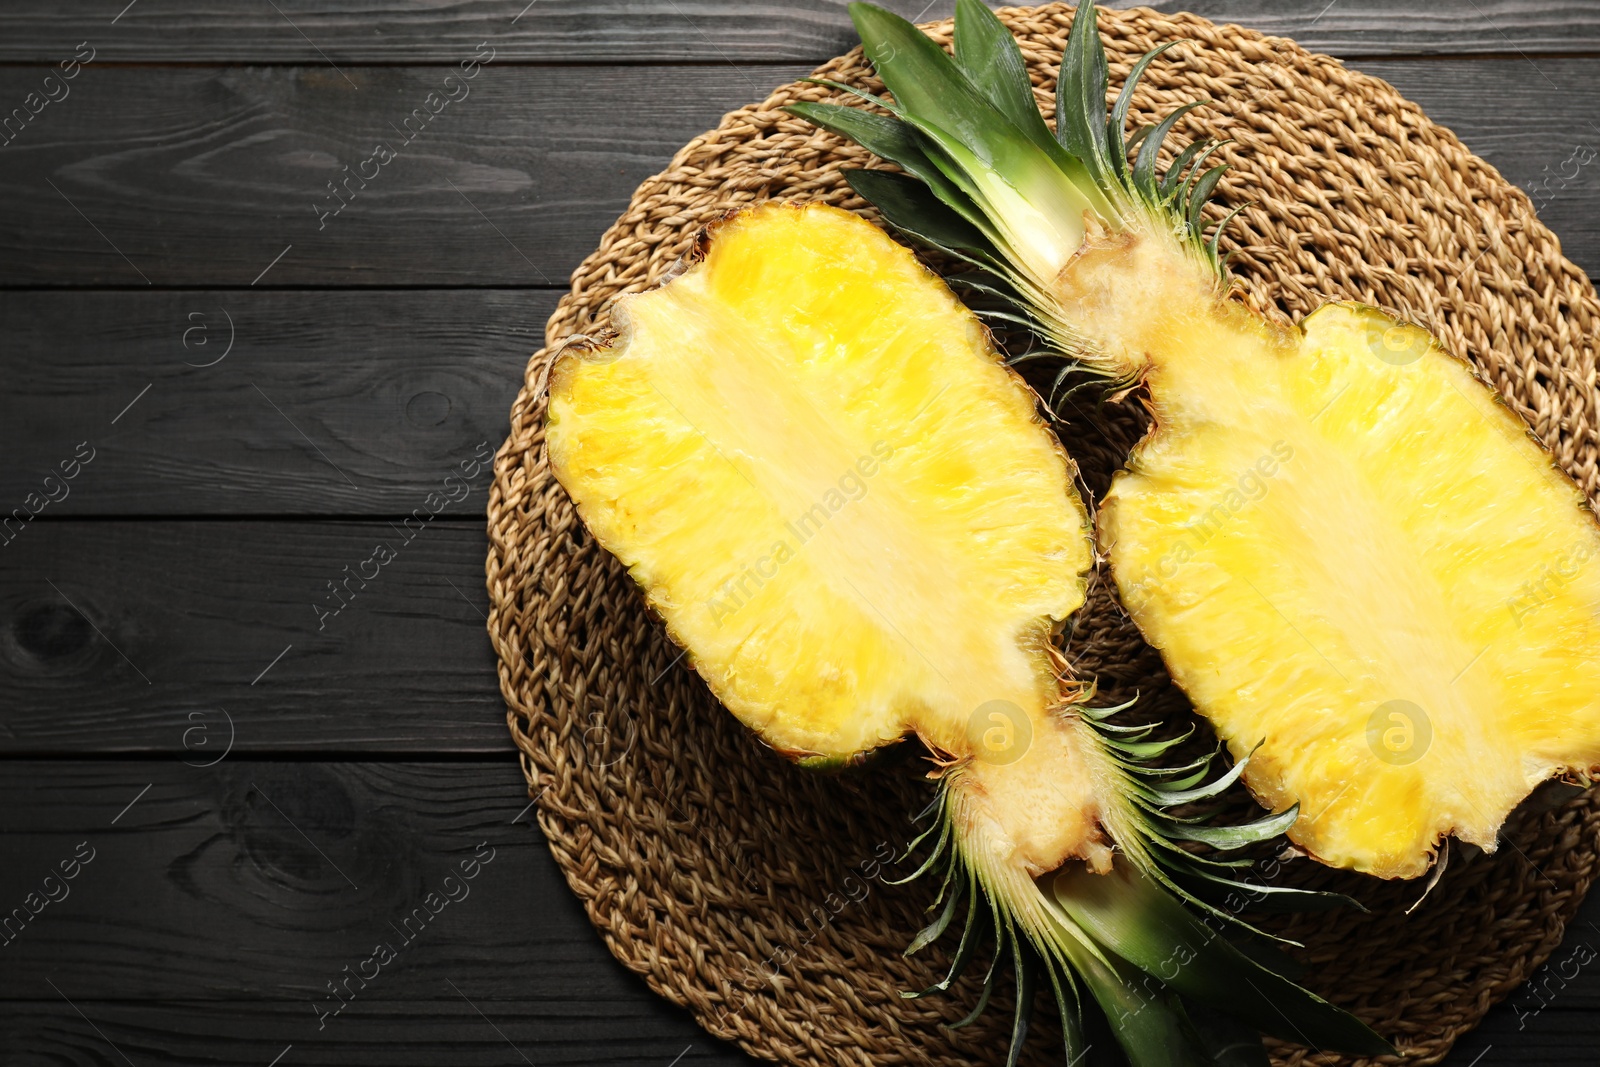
(844, 506)
(1349, 550)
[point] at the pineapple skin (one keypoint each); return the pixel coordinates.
(1350, 551)
(845, 507)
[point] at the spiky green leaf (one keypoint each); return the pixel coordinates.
(1236, 895)
(1081, 96)
(1201, 194)
(990, 58)
(1144, 168)
(932, 91)
(1171, 797)
(1023, 966)
(1065, 990)
(1146, 750)
(909, 205)
(941, 844)
(897, 141)
(968, 943)
(999, 164)
(1132, 917)
(983, 997)
(1174, 174)
(932, 932)
(1116, 126)
(1227, 837)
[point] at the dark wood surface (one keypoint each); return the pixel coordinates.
(172, 610)
(754, 31)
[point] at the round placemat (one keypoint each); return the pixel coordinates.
(752, 892)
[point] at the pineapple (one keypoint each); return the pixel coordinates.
(1354, 558)
(849, 513)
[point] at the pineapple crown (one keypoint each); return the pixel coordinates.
(985, 179)
(1120, 951)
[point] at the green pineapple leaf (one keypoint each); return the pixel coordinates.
(1131, 916)
(990, 58)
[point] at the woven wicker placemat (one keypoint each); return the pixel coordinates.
(748, 890)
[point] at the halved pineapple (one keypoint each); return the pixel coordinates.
(842, 503)
(1348, 551)
(846, 509)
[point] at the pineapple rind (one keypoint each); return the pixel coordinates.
(810, 457)
(1324, 537)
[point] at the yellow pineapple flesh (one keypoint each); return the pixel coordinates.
(845, 508)
(1350, 551)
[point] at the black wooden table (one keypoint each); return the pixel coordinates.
(271, 270)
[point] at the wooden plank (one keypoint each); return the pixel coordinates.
(348, 32)
(122, 635)
(205, 178)
(1562, 1035)
(326, 403)
(1368, 28)
(299, 867)
(550, 1032)
(234, 895)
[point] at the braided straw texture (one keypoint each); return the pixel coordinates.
(752, 892)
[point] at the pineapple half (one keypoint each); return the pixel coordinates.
(848, 512)
(1354, 558)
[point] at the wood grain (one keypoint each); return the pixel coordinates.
(301, 865)
(301, 868)
(122, 635)
(642, 1031)
(202, 177)
(622, 31)
(328, 403)
(206, 177)
(234, 895)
